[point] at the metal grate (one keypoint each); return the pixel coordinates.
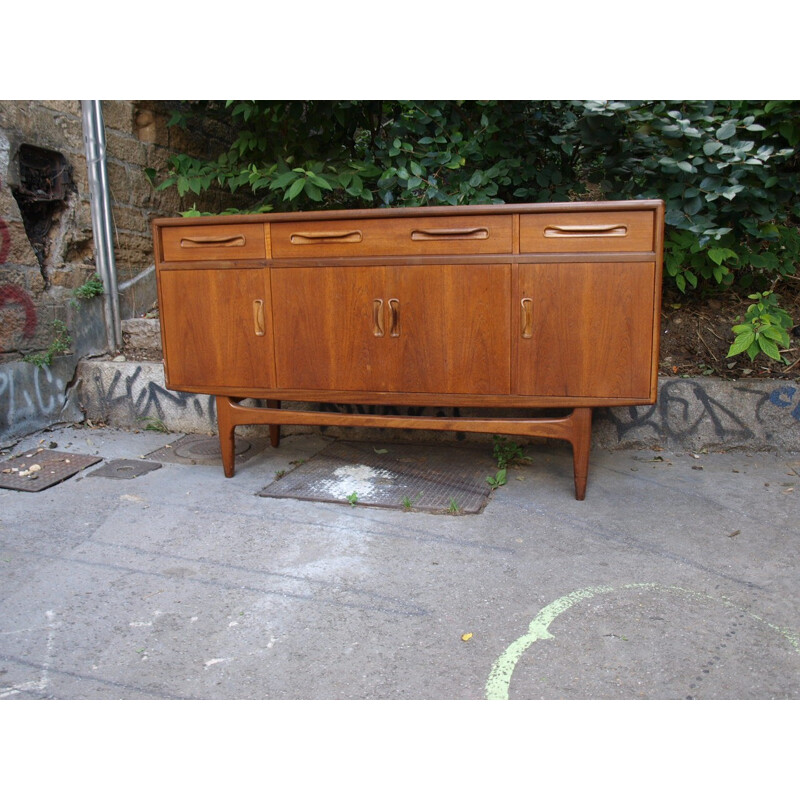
(124, 469)
(197, 448)
(40, 469)
(415, 477)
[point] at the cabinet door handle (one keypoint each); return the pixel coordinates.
(377, 317)
(585, 230)
(426, 235)
(213, 241)
(258, 317)
(325, 237)
(394, 317)
(527, 318)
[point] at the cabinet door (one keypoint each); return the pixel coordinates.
(437, 329)
(586, 330)
(216, 329)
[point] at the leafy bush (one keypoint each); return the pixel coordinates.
(727, 170)
(313, 154)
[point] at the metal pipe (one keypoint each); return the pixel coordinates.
(102, 220)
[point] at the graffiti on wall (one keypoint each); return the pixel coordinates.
(17, 311)
(784, 397)
(17, 302)
(685, 407)
(28, 393)
(136, 396)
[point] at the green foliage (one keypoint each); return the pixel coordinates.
(350, 154)
(60, 344)
(92, 288)
(352, 498)
(765, 327)
(408, 502)
(506, 452)
(155, 424)
(727, 170)
(498, 479)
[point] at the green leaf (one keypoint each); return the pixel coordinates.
(726, 130)
(720, 254)
(295, 189)
(318, 180)
(313, 191)
(769, 348)
(283, 180)
(776, 334)
(741, 343)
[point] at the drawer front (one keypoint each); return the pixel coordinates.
(587, 232)
(234, 242)
(404, 236)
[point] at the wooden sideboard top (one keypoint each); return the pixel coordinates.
(418, 211)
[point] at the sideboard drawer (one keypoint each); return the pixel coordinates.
(234, 242)
(402, 236)
(587, 232)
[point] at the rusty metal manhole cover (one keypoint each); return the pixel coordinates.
(124, 469)
(404, 476)
(40, 469)
(197, 448)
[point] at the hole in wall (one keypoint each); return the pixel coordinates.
(44, 182)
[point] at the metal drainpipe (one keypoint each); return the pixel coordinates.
(102, 221)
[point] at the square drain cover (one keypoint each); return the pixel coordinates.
(40, 469)
(124, 469)
(418, 477)
(197, 448)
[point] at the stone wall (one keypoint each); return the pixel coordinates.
(46, 237)
(46, 242)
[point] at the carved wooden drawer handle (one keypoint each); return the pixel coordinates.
(258, 317)
(527, 318)
(214, 241)
(585, 230)
(377, 317)
(394, 317)
(325, 237)
(426, 235)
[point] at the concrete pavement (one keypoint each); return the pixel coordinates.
(676, 578)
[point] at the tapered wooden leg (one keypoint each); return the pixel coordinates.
(274, 430)
(581, 445)
(226, 430)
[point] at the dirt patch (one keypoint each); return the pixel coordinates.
(696, 336)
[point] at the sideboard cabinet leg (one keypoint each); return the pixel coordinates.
(274, 430)
(226, 435)
(581, 445)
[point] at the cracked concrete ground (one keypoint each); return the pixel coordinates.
(676, 578)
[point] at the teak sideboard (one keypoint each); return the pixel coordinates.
(536, 306)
